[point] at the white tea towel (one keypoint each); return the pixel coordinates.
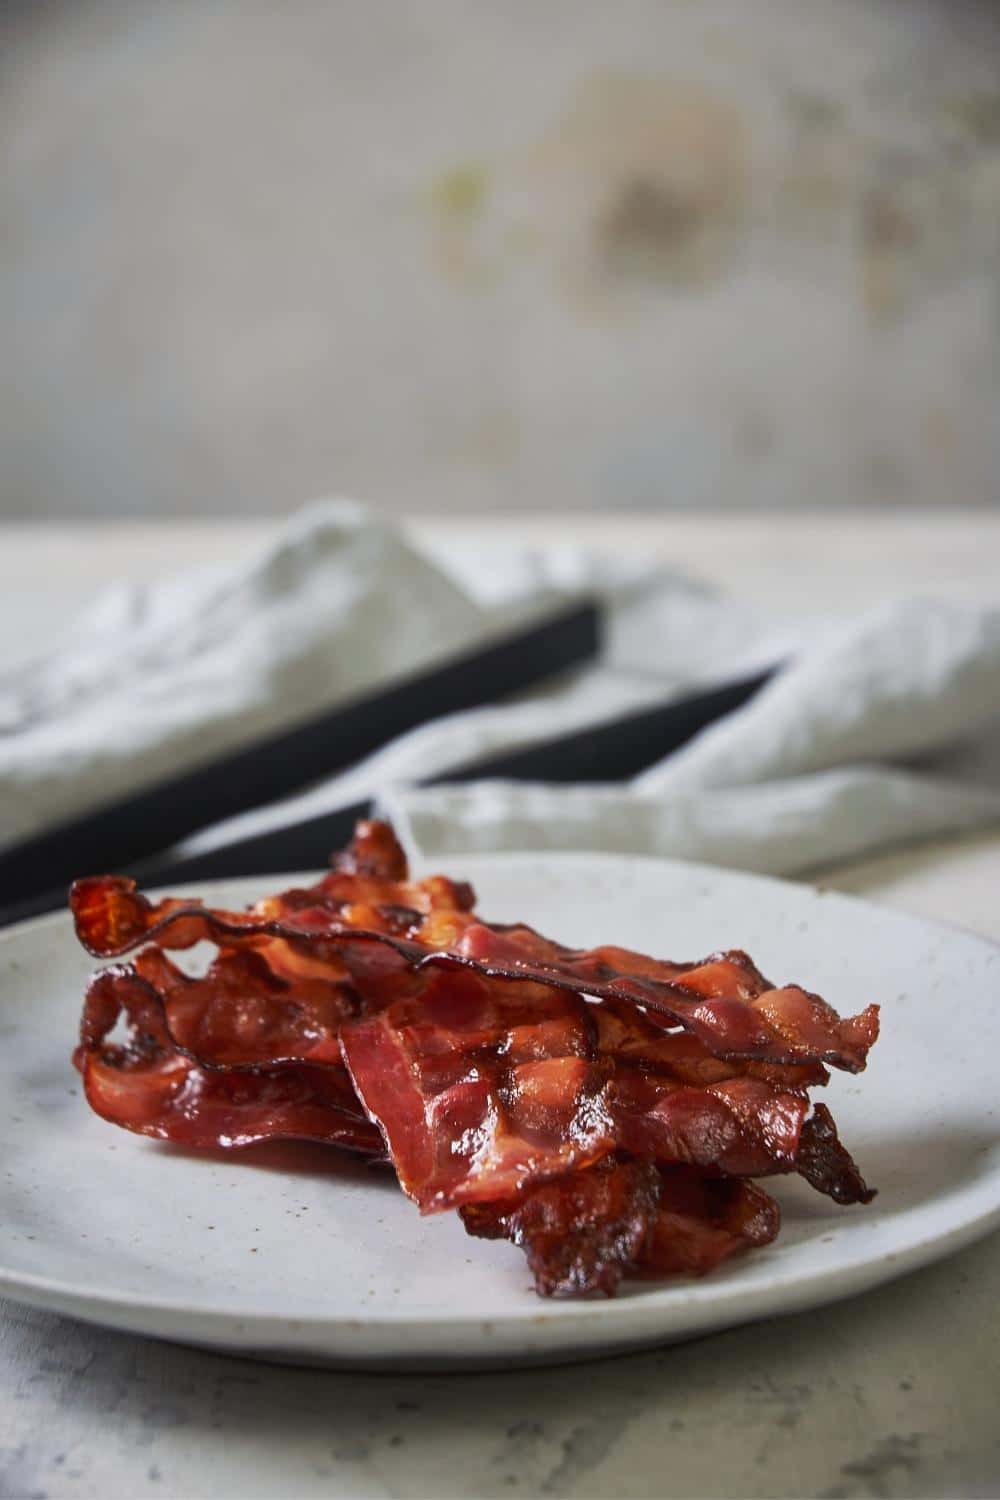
(818, 767)
(863, 741)
(158, 677)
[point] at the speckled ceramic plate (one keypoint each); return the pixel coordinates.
(294, 1252)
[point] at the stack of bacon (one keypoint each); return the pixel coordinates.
(604, 1110)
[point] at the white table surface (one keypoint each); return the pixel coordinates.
(893, 1393)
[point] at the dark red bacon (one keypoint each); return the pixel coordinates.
(374, 853)
(705, 1220)
(742, 1127)
(584, 1232)
(826, 1164)
(581, 1233)
(723, 1001)
(482, 1088)
(603, 1109)
(150, 1085)
(641, 1037)
(368, 887)
(240, 1013)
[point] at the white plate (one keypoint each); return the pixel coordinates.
(294, 1252)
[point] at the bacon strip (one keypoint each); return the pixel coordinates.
(723, 1001)
(706, 1220)
(742, 1117)
(826, 1164)
(482, 1089)
(641, 1037)
(240, 1013)
(150, 1085)
(479, 1088)
(742, 1127)
(581, 1233)
(584, 1232)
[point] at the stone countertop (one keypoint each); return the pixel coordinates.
(891, 1393)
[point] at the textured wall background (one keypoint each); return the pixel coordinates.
(467, 254)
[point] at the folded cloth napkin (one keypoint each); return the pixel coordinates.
(158, 677)
(877, 731)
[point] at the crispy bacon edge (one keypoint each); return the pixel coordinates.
(582, 1233)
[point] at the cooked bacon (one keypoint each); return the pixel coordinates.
(826, 1164)
(150, 1085)
(368, 887)
(674, 1101)
(724, 1001)
(482, 1088)
(641, 1037)
(582, 1233)
(601, 1108)
(743, 1127)
(241, 1013)
(706, 1220)
(374, 852)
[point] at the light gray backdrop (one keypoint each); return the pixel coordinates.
(468, 254)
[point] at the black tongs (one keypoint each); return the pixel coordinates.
(609, 752)
(35, 872)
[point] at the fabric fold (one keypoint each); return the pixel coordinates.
(787, 827)
(876, 731)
